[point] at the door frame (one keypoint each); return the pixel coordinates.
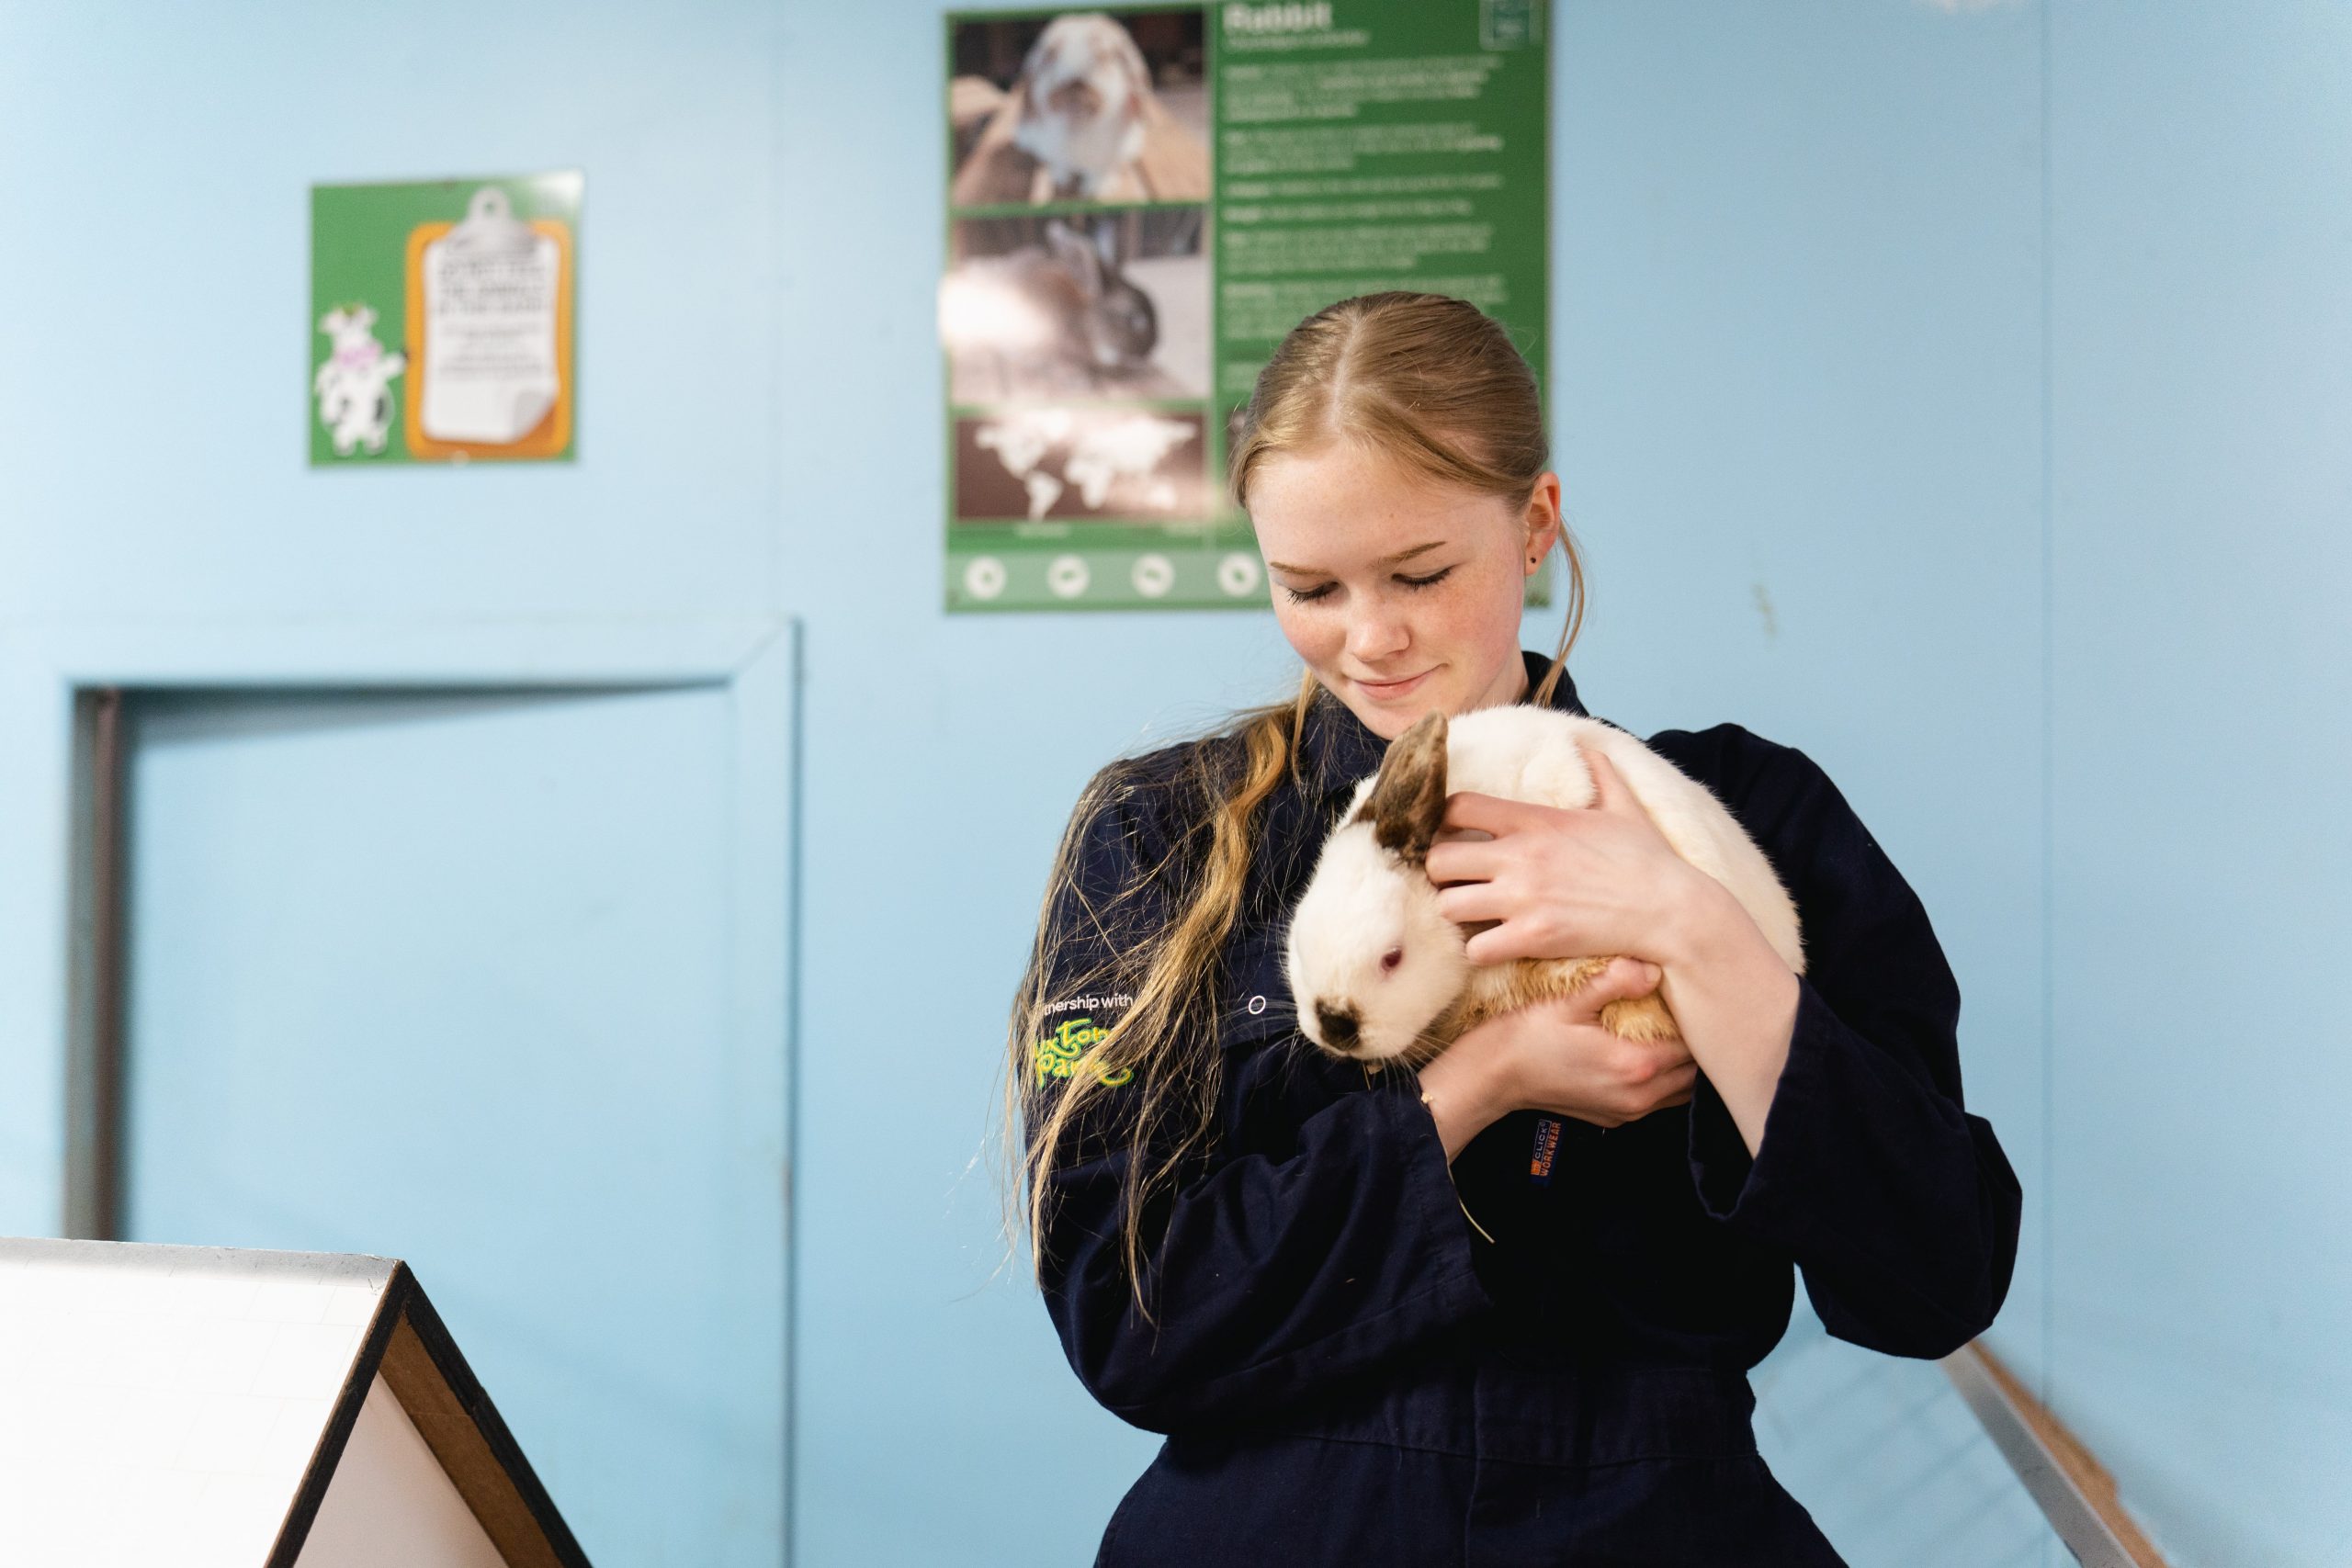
(46, 668)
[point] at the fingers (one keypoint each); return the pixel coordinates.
(1630, 1103)
(1486, 813)
(1622, 977)
(1649, 1086)
(1674, 1087)
(1589, 1073)
(1466, 859)
(1469, 903)
(1502, 943)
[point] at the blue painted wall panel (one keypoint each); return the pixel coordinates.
(446, 978)
(156, 164)
(2202, 383)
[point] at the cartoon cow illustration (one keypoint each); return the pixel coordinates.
(353, 386)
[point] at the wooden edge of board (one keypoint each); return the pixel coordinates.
(2090, 1478)
(426, 1373)
(329, 1453)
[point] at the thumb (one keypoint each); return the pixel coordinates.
(1609, 790)
(1622, 977)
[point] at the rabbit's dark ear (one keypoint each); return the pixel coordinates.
(1408, 800)
(1075, 250)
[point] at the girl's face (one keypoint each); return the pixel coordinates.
(1401, 594)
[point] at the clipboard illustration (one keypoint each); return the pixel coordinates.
(490, 303)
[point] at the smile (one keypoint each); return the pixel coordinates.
(1388, 690)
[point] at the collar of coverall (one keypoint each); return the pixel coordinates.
(1338, 751)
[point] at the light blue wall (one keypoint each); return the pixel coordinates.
(1952, 391)
(154, 170)
(452, 977)
(2201, 682)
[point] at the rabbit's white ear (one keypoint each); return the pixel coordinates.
(1408, 800)
(1040, 58)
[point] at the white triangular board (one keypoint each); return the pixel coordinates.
(390, 1505)
(209, 1409)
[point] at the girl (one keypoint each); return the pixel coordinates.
(1502, 1310)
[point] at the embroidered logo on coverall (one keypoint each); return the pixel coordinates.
(1056, 1056)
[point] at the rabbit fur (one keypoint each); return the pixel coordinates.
(1083, 91)
(1057, 317)
(1379, 975)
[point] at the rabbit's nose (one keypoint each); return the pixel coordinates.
(1339, 1025)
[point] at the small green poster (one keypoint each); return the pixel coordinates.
(1142, 201)
(442, 319)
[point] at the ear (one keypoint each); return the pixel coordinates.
(1042, 55)
(1131, 60)
(1409, 798)
(1542, 518)
(1075, 250)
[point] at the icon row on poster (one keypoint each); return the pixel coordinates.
(1151, 575)
(1081, 106)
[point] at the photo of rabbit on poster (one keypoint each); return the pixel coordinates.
(1079, 107)
(1076, 305)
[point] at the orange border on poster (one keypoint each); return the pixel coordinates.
(552, 433)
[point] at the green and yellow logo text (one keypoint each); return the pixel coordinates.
(1056, 1056)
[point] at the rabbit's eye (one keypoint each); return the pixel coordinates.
(1390, 959)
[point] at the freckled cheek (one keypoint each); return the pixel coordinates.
(1498, 610)
(1315, 639)
(1464, 620)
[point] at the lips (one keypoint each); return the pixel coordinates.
(1388, 691)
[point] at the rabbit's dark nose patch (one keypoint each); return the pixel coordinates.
(1339, 1026)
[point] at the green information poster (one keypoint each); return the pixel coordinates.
(441, 319)
(1142, 202)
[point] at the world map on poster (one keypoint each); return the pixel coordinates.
(1051, 452)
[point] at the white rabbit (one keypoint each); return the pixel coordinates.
(1083, 89)
(1379, 975)
(1083, 120)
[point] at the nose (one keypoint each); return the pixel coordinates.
(1339, 1026)
(1376, 636)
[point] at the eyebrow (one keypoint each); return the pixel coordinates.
(1399, 559)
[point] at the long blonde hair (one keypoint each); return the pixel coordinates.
(1435, 384)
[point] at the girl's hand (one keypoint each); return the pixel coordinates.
(1562, 884)
(1553, 1055)
(1561, 1059)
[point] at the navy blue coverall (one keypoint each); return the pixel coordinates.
(1348, 1373)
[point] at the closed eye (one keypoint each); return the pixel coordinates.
(1321, 591)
